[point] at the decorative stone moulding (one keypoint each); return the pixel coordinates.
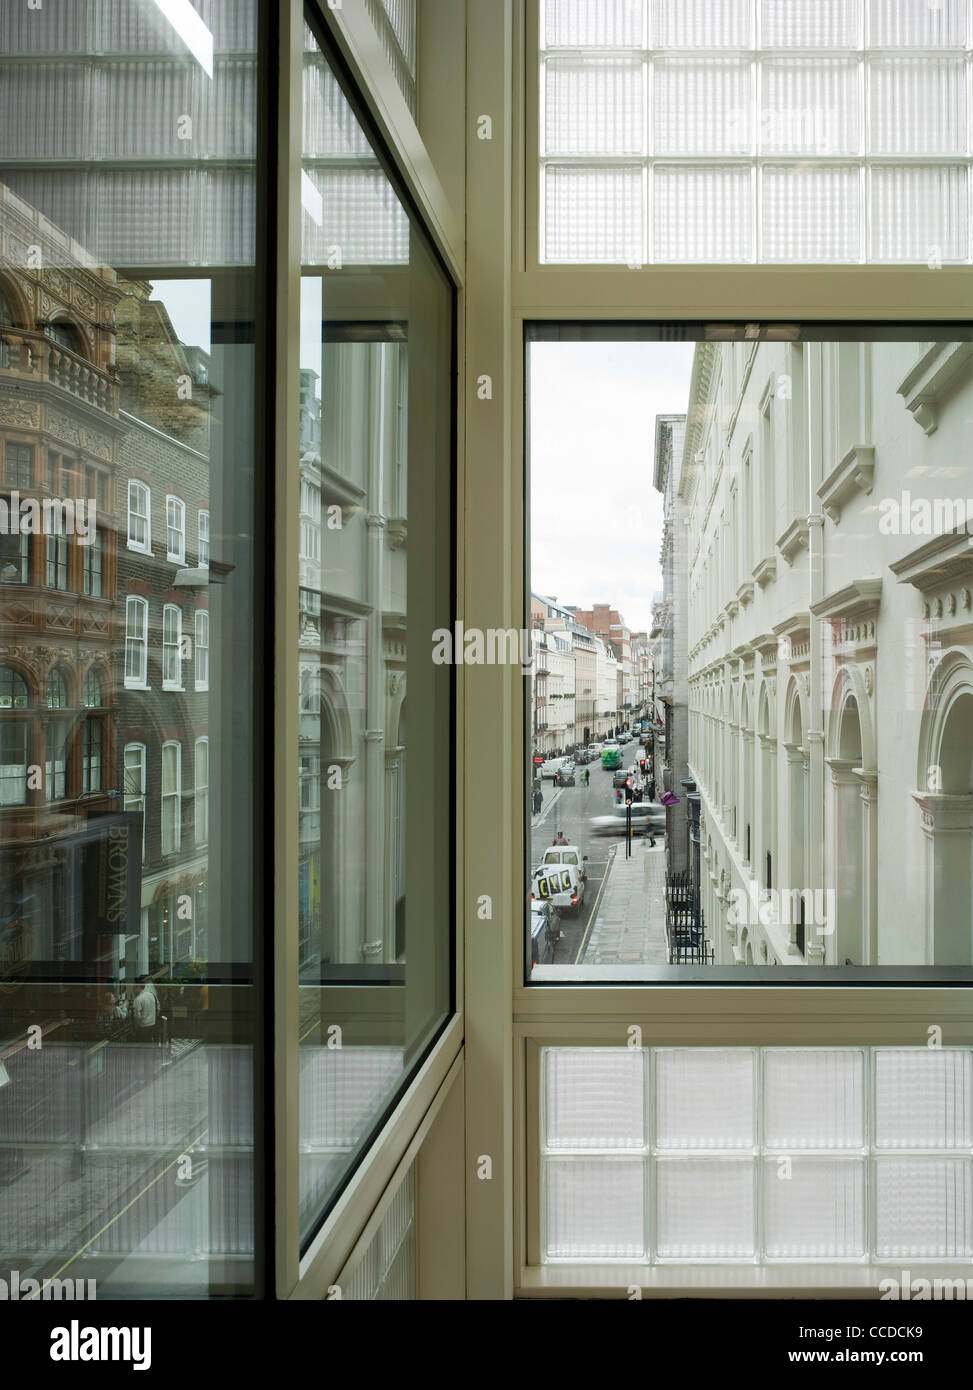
(765, 570)
(927, 383)
(745, 592)
(943, 565)
(855, 473)
(853, 613)
(794, 539)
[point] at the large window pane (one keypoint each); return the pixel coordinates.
(375, 575)
(127, 345)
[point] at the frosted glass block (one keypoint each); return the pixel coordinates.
(704, 1208)
(593, 214)
(809, 106)
(399, 1284)
(594, 106)
(702, 213)
(702, 106)
(923, 1207)
(917, 24)
(923, 1098)
(594, 1209)
(700, 24)
(815, 1209)
(813, 1099)
(594, 23)
(594, 1097)
(917, 106)
(704, 1098)
(919, 214)
(810, 213)
(809, 23)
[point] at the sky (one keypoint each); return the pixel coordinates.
(596, 519)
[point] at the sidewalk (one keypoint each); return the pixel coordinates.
(630, 928)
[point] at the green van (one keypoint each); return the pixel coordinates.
(610, 758)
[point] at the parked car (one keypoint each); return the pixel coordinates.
(565, 776)
(551, 767)
(545, 932)
(644, 815)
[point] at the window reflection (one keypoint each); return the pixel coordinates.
(126, 756)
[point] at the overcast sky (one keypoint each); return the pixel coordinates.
(596, 519)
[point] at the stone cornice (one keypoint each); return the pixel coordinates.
(855, 473)
(936, 563)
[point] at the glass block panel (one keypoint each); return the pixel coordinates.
(702, 106)
(923, 1099)
(704, 1208)
(594, 1097)
(700, 24)
(813, 1099)
(916, 24)
(923, 1207)
(594, 106)
(917, 106)
(810, 213)
(809, 107)
(399, 1284)
(594, 1209)
(594, 23)
(809, 23)
(704, 1098)
(593, 214)
(703, 213)
(814, 1209)
(919, 214)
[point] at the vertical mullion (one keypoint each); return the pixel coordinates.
(289, 117)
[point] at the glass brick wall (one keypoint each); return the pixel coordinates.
(756, 1154)
(771, 131)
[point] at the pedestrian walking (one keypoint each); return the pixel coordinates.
(559, 838)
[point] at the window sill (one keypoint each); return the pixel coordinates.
(136, 685)
(175, 559)
(201, 686)
(176, 689)
(731, 1280)
(139, 549)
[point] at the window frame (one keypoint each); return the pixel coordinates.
(172, 682)
(143, 781)
(201, 619)
(202, 538)
(177, 556)
(143, 548)
(175, 795)
(201, 742)
(136, 603)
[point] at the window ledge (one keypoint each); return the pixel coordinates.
(201, 686)
(855, 472)
(794, 539)
(176, 689)
(137, 685)
(783, 1280)
(927, 383)
(138, 549)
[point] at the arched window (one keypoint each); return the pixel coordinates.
(171, 797)
(91, 763)
(91, 696)
(202, 790)
(56, 691)
(6, 311)
(14, 738)
(171, 642)
(65, 335)
(136, 640)
(133, 786)
(202, 649)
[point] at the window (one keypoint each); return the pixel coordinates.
(56, 759)
(91, 693)
(139, 517)
(202, 791)
(57, 562)
(14, 559)
(175, 530)
(92, 736)
(13, 762)
(202, 524)
(310, 783)
(171, 644)
(171, 797)
(93, 564)
(769, 132)
(202, 649)
(310, 521)
(136, 640)
(18, 465)
(133, 782)
(56, 691)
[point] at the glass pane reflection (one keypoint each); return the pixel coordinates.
(126, 756)
(375, 546)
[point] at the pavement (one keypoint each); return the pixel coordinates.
(629, 926)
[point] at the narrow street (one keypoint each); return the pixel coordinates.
(622, 919)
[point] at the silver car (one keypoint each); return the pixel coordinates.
(645, 815)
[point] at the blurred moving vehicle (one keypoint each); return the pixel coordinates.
(646, 815)
(611, 757)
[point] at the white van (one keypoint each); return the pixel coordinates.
(560, 884)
